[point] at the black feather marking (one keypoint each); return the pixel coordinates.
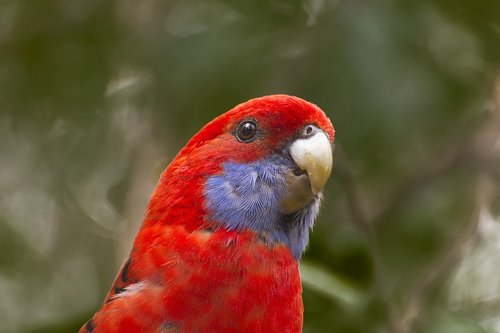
(125, 270)
(89, 326)
(119, 290)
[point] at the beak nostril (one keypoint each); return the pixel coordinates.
(309, 131)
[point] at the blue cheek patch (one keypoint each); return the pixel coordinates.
(247, 196)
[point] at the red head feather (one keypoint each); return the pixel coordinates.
(179, 192)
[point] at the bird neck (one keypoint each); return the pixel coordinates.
(233, 196)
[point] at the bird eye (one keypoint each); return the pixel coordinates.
(246, 131)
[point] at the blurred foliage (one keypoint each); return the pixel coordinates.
(97, 96)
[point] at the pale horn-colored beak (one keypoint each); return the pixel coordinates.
(313, 156)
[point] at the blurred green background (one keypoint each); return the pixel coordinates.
(96, 97)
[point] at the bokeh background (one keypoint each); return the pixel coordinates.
(96, 97)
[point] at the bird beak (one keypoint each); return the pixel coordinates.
(313, 157)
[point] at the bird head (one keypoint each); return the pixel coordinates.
(260, 166)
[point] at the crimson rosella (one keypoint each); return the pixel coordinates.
(219, 246)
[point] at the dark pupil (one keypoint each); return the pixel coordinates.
(247, 131)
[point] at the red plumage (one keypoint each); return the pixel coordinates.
(187, 273)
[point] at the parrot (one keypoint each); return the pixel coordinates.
(221, 239)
